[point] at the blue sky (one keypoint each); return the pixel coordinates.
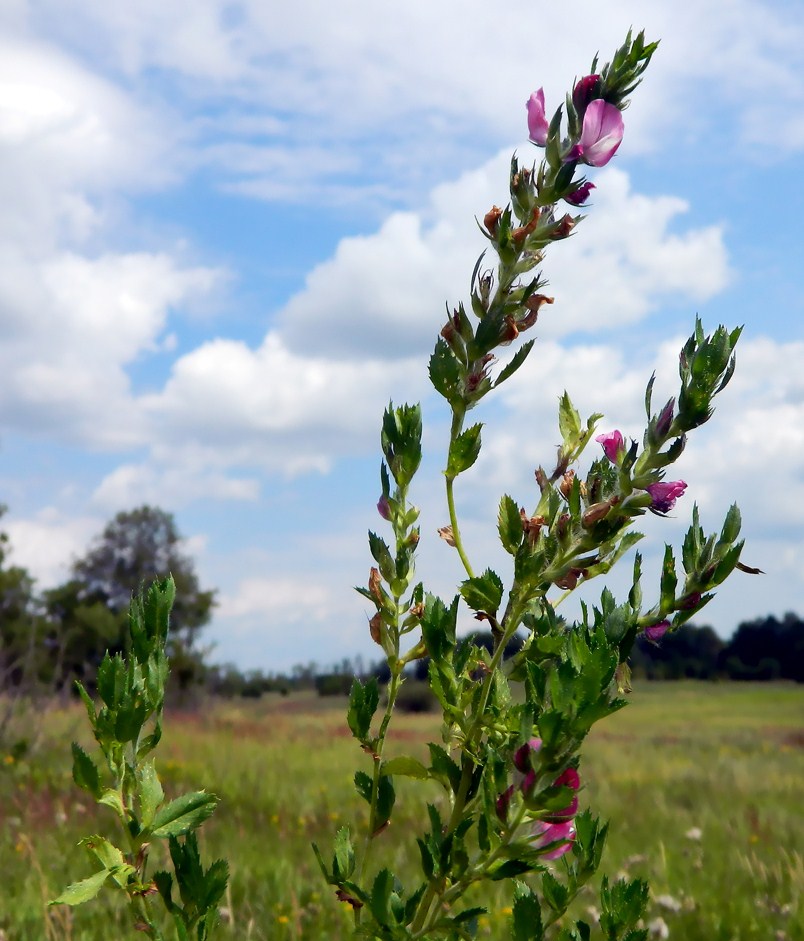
(229, 232)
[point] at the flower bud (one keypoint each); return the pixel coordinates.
(664, 495)
(383, 508)
(665, 419)
(375, 583)
(375, 628)
(597, 511)
(580, 194)
(656, 631)
(492, 219)
(522, 755)
(613, 445)
(570, 779)
(586, 90)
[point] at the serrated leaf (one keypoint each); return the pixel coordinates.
(527, 914)
(184, 814)
(149, 792)
(110, 857)
(569, 420)
(463, 451)
(80, 892)
(364, 785)
(343, 863)
(406, 766)
(85, 771)
(379, 902)
(363, 701)
(509, 525)
(483, 592)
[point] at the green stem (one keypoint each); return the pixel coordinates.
(457, 424)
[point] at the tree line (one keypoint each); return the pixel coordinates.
(51, 638)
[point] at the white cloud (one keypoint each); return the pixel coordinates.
(47, 543)
(385, 293)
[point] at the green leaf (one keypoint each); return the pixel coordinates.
(343, 863)
(669, 580)
(515, 362)
(379, 902)
(386, 797)
(509, 525)
(527, 914)
(445, 372)
(569, 420)
(406, 766)
(444, 767)
(184, 814)
(85, 771)
(483, 592)
(363, 702)
(83, 891)
(364, 785)
(438, 625)
(149, 792)
(382, 556)
(463, 451)
(110, 857)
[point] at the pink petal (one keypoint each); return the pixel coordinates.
(537, 122)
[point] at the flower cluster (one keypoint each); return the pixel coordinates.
(553, 831)
(663, 494)
(601, 131)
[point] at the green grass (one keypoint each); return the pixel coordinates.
(726, 760)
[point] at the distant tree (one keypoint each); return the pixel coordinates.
(766, 649)
(18, 622)
(88, 613)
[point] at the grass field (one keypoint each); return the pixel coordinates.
(703, 785)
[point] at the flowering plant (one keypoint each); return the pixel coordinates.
(508, 766)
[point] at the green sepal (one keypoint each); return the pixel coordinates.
(183, 814)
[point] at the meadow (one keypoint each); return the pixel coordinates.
(702, 784)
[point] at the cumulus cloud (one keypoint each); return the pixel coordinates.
(385, 292)
(297, 64)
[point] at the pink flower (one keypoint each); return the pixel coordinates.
(664, 494)
(657, 631)
(537, 122)
(522, 755)
(383, 508)
(613, 444)
(579, 196)
(560, 834)
(601, 135)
